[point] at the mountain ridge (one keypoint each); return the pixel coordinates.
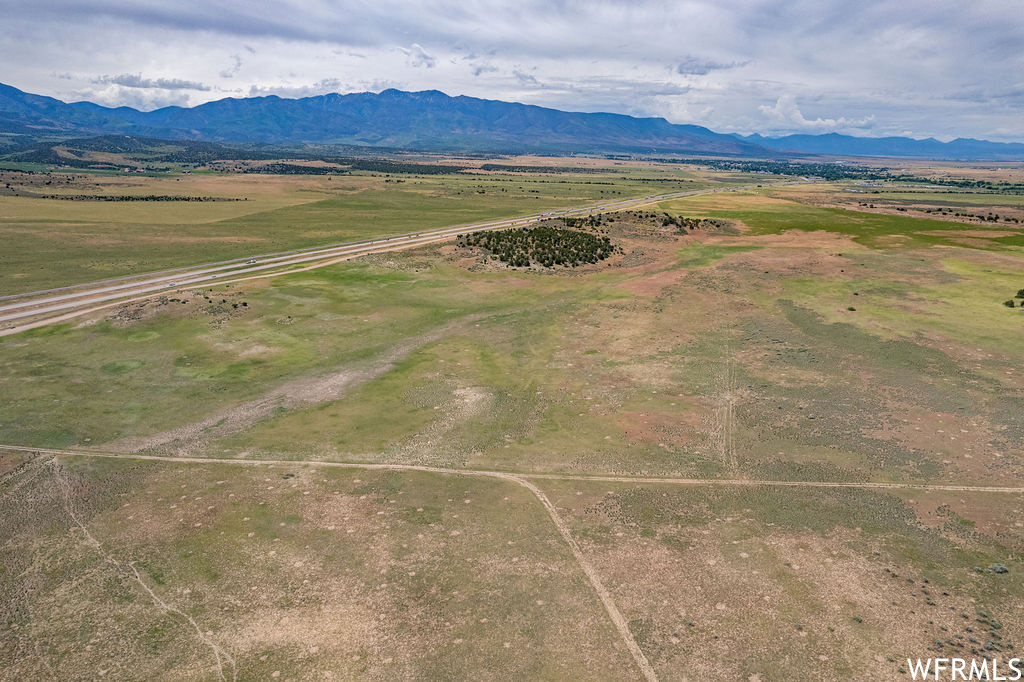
(427, 120)
(431, 120)
(961, 148)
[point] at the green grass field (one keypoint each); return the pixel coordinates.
(830, 583)
(792, 343)
(291, 571)
(53, 242)
(770, 362)
(765, 214)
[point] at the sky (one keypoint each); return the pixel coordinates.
(920, 68)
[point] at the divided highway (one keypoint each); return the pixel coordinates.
(38, 308)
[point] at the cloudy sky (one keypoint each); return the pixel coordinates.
(865, 67)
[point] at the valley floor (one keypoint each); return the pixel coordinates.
(786, 444)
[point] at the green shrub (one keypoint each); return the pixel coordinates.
(541, 245)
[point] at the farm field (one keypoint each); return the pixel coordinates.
(775, 434)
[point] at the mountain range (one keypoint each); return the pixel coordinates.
(433, 121)
(930, 148)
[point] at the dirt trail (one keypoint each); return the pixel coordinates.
(291, 395)
(724, 419)
(620, 623)
(597, 478)
(595, 580)
(220, 655)
(523, 479)
(721, 417)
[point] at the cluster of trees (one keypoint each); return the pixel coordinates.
(542, 245)
(828, 171)
(18, 178)
(538, 169)
(293, 169)
(384, 166)
(1001, 186)
(1010, 303)
(989, 217)
(592, 221)
(637, 179)
(683, 223)
(193, 152)
(126, 197)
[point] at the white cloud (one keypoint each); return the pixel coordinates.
(940, 68)
(785, 114)
(145, 99)
(236, 66)
(525, 78)
(321, 87)
(417, 56)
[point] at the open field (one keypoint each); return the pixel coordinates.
(302, 573)
(794, 338)
(825, 585)
(52, 242)
(688, 355)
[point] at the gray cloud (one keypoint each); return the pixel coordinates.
(480, 69)
(695, 66)
(525, 78)
(236, 66)
(138, 98)
(944, 68)
(321, 87)
(417, 56)
(130, 80)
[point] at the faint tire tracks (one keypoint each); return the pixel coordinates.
(297, 393)
(595, 580)
(522, 479)
(220, 655)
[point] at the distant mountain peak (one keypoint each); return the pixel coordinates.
(426, 119)
(904, 147)
(433, 120)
